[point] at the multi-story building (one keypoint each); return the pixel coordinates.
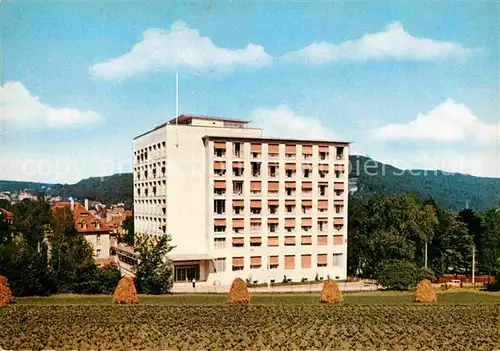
(237, 204)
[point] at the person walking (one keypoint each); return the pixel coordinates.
(194, 283)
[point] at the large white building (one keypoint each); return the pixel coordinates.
(237, 204)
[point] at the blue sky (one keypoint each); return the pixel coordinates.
(414, 85)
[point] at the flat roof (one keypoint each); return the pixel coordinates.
(184, 119)
(276, 139)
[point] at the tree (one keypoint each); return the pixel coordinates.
(154, 273)
(489, 242)
(128, 227)
(358, 236)
(32, 219)
(451, 250)
(71, 256)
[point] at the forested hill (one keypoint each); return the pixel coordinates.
(453, 191)
(367, 177)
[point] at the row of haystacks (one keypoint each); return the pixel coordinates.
(5, 292)
(126, 292)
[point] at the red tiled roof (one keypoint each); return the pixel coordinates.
(186, 119)
(85, 222)
(6, 214)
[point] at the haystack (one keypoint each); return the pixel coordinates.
(238, 293)
(331, 292)
(5, 293)
(3, 280)
(125, 292)
(425, 292)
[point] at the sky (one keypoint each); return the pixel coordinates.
(415, 85)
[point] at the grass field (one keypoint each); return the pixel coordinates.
(367, 298)
(365, 321)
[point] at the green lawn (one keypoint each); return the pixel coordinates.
(366, 298)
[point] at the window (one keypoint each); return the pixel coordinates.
(289, 261)
(238, 263)
(273, 209)
(272, 241)
(273, 188)
(238, 169)
(321, 260)
(256, 150)
(340, 153)
(255, 187)
(220, 264)
(322, 225)
(238, 242)
(220, 206)
(273, 150)
(237, 187)
(322, 240)
(272, 227)
(305, 261)
(255, 241)
(255, 262)
(337, 260)
(219, 149)
(289, 240)
(273, 170)
(219, 243)
(237, 149)
(98, 253)
(98, 239)
(322, 189)
(306, 173)
(219, 168)
(273, 262)
(255, 169)
(255, 226)
(323, 155)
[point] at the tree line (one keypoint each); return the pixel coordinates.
(388, 237)
(41, 253)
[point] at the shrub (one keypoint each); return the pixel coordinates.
(331, 292)
(238, 294)
(125, 292)
(108, 278)
(425, 292)
(396, 275)
(425, 273)
(494, 286)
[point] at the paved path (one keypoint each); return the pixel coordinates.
(313, 287)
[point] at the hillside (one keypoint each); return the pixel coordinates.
(452, 191)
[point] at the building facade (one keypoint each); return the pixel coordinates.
(237, 204)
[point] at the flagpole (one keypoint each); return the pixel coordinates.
(177, 108)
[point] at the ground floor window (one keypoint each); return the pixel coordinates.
(187, 273)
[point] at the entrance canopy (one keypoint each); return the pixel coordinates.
(189, 257)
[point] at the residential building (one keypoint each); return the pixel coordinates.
(237, 204)
(92, 229)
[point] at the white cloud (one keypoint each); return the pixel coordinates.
(393, 43)
(179, 47)
(283, 122)
(20, 107)
(450, 122)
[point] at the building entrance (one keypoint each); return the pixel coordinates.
(187, 273)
